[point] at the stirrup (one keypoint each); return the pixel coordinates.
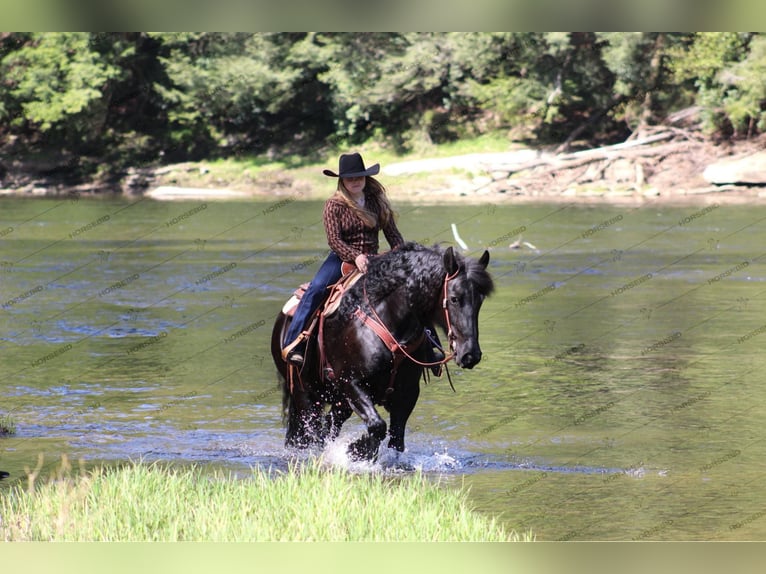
(301, 338)
(296, 358)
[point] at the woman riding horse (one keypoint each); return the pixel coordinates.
(371, 349)
(353, 217)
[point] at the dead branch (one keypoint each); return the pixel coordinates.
(627, 150)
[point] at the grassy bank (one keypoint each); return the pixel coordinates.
(151, 503)
(302, 177)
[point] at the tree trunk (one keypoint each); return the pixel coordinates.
(647, 109)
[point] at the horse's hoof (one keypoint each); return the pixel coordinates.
(359, 455)
(363, 450)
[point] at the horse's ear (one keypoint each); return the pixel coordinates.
(484, 259)
(450, 263)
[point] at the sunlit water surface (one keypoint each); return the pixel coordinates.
(621, 395)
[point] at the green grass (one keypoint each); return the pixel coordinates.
(488, 143)
(296, 174)
(7, 425)
(309, 503)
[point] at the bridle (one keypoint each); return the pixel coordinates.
(450, 333)
(398, 350)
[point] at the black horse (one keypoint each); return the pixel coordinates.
(403, 291)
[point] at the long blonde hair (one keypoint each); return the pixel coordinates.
(377, 210)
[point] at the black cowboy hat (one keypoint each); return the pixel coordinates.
(352, 165)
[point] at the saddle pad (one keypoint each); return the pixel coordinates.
(289, 307)
(333, 300)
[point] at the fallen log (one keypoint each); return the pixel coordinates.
(579, 158)
(633, 164)
(631, 150)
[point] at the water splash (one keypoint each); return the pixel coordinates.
(389, 461)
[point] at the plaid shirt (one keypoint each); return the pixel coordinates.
(349, 237)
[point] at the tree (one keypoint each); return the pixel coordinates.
(123, 98)
(745, 99)
(368, 79)
(724, 78)
(58, 81)
(547, 84)
(236, 91)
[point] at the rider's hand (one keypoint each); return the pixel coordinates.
(361, 262)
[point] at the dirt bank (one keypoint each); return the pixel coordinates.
(667, 168)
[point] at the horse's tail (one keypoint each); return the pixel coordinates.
(286, 403)
(277, 336)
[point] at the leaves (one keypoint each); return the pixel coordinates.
(204, 93)
(57, 76)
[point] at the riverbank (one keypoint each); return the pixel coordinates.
(665, 172)
(140, 502)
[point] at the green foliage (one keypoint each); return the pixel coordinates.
(137, 97)
(58, 77)
(745, 100)
(230, 90)
(705, 55)
(726, 70)
(512, 101)
(361, 70)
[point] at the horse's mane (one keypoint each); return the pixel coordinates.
(418, 266)
(478, 275)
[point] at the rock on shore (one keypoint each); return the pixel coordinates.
(743, 170)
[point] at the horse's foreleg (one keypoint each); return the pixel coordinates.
(365, 448)
(295, 434)
(339, 413)
(402, 403)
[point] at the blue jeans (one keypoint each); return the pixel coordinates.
(314, 296)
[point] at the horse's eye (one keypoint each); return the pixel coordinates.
(454, 300)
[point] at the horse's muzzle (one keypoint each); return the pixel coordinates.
(469, 360)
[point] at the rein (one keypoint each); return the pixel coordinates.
(398, 350)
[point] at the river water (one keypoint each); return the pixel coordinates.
(621, 395)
